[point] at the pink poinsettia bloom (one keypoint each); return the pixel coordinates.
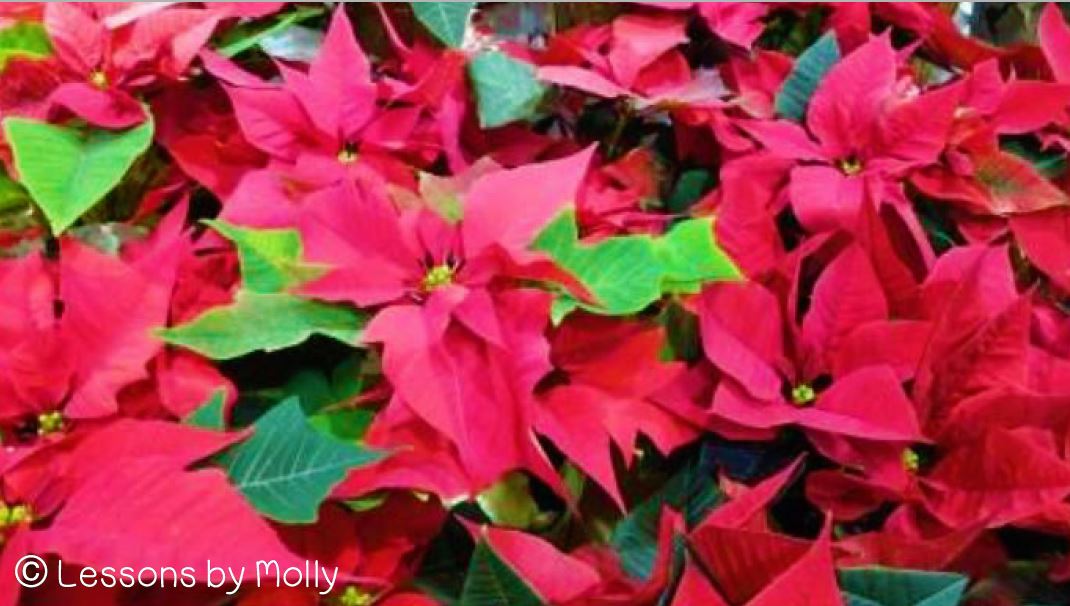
(331, 121)
(462, 354)
(864, 131)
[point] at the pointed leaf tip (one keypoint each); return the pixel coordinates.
(68, 170)
(447, 21)
(287, 468)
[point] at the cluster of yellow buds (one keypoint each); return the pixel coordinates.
(354, 597)
(437, 277)
(50, 422)
(803, 395)
(14, 515)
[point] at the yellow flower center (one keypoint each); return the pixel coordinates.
(347, 155)
(49, 422)
(911, 460)
(98, 79)
(437, 277)
(851, 166)
(13, 515)
(354, 597)
(803, 395)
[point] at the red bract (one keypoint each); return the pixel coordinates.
(608, 399)
(641, 63)
(854, 412)
(864, 130)
(76, 338)
(107, 484)
(105, 55)
(329, 121)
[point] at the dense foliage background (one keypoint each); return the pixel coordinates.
(572, 304)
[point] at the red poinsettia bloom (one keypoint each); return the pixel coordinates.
(97, 496)
(106, 54)
(607, 399)
(641, 63)
(812, 373)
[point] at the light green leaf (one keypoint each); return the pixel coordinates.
(446, 20)
(622, 272)
(627, 273)
(877, 586)
(23, 39)
(562, 306)
(491, 582)
(287, 468)
(506, 89)
(367, 503)
(691, 257)
(270, 258)
(210, 415)
(810, 68)
(68, 170)
(263, 322)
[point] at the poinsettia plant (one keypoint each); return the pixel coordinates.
(520, 304)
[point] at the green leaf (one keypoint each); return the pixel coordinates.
(368, 503)
(446, 20)
(562, 307)
(250, 35)
(691, 257)
(878, 586)
(210, 415)
(509, 502)
(692, 492)
(346, 424)
(263, 322)
(622, 272)
(287, 468)
(24, 39)
(506, 89)
(810, 68)
(445, 561)
(627, 273)
(491, 582)
(270, 258)
(68, 170)
(1048, 162)
(325, 397)
(682, 341)
(12, 195)
(108, 237)
(689, 189)
(318, 391)
(297, 43)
